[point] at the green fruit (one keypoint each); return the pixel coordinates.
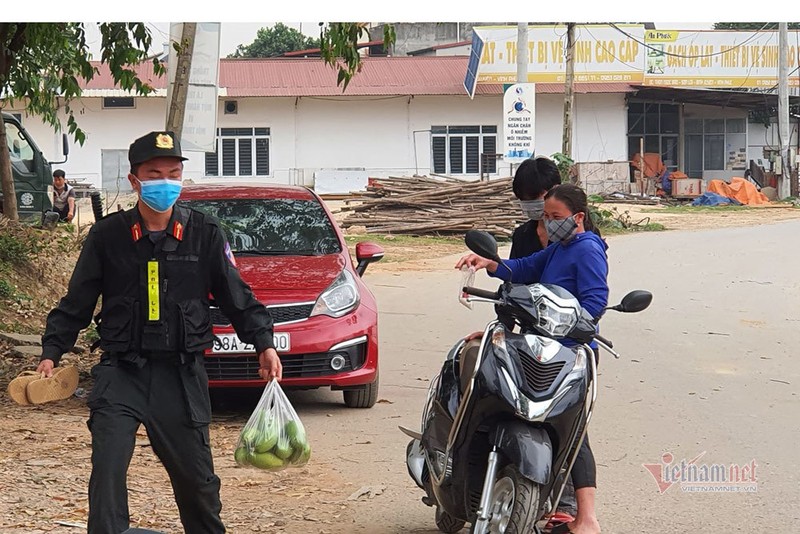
(266, 460)
(242, 456)
(291, 429)
(300, 456)
(266, 443)
(249, 437)
(282, 449)
(296, 435)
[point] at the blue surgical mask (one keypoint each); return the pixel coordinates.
(160, 195)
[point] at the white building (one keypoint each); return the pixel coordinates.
(285, 121)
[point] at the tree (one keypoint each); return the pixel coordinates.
(752, 26)
(43, 64)
(275, 41)
(339, 47)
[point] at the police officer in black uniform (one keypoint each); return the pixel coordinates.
(155, 266)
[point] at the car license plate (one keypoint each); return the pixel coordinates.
(230, 343)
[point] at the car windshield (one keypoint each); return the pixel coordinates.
(273, 226)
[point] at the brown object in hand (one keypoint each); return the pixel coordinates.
(60, 386)
(17, 388)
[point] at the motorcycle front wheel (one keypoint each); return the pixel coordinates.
(514, 505)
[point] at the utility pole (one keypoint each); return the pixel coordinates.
(522, 52)
(180, 87)
(569, 96)
(783, 108)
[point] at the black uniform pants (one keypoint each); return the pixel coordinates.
(171, 401)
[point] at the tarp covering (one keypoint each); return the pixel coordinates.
(713, 199)
(739, 189)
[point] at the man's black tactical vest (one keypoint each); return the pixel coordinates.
(155, 295)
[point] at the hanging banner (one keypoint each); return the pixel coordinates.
(602, 54)
(717, 59)
(519, 119)
(200, 119)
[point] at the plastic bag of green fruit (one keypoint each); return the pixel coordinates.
(273, 438)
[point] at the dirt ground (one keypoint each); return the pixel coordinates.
(45, 451)
(426, 257)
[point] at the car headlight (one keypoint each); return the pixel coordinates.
(340, 298)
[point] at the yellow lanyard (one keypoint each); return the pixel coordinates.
(153, 302)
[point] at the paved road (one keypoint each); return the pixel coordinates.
(710, 368)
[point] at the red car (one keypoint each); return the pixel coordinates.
(294, 256)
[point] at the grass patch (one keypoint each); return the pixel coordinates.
(649, 227)
(611, 221)
(18, 328)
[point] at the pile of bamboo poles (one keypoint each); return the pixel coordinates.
(427, 206)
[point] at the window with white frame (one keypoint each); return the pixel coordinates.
(459, 149)
(240, 153)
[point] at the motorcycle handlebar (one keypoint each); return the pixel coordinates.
(482, 293)
(603, 340)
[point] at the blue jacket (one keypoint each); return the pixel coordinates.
(580, 267)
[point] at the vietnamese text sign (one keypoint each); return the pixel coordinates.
(519, 119)
(602, 54)
(719, 59)
(200, 118)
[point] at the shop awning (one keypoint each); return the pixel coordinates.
(712, 97)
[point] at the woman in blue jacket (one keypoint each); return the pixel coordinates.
(575, 260)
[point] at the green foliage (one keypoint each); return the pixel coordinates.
(339, 47)
(90, 335)
(612, 221)
(43, 63)
(564, 164)
(275, 41)
(7, 291)
(16, 250)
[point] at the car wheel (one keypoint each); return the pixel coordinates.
(362, 397)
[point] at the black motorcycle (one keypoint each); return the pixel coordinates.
(499, 437)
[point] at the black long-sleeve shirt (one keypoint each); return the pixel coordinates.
(147, 308)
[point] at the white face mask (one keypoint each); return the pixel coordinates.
(532, 209)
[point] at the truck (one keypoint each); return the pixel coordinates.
(32, 173)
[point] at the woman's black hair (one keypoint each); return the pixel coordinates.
(576, 200)
(535, 176)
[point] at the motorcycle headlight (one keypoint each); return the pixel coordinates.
(554, 319)
(542, 349)
(579, 368)
(340, 298)
(501, 349)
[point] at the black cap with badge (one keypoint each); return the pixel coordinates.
(155, 145)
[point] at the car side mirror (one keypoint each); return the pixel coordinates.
(482, 244)
(634, 302)
(367, 253)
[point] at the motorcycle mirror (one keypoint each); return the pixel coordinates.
(482, 244)
(634, 302)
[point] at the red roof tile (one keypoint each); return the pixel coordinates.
(380, 76)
